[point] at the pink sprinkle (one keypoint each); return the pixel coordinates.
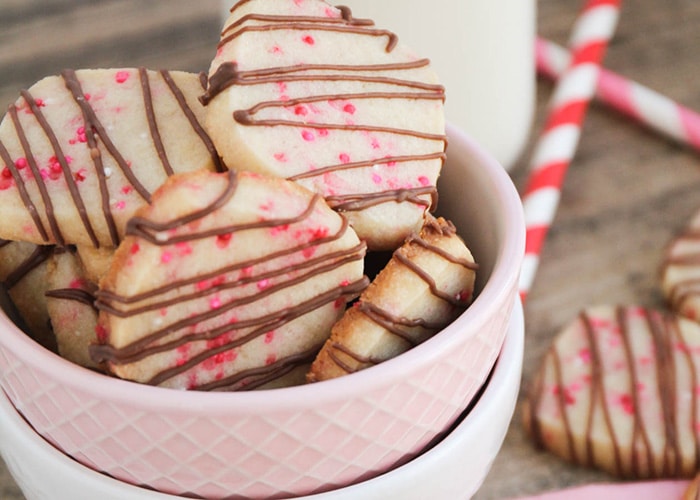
(307, 135)
(20, 163)
(80, 175)
(323, 132)
(39, 102)
(222, 240)
(6, 173)
(183, 248)
(166, 257)
(301, 110)
(271, 358)
(464, 296)
(569, 398)
(585, 355)
(263, 284)
(76, 283)
(215, 303)
(127, 189)
(349, 108)
(375, 144)
(309, 40)
(281, 157)
(423, 180)
(344, 158)
(627, 404)
(308, 252)
(122, 76)
(101, 333)
(134, 249)
(330, 12)
(376, 178)
(6, 183)
(202, 285)
(88, 97)
(269, 337)
(120, 205)
(339, 303)
(276, 49)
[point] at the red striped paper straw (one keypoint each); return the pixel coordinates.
(559, 140)
(648, 107)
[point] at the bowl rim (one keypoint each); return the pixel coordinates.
(508, 367)
(496, 290)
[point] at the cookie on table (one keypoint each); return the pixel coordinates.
(226, 281)
(70, 298)
(680, 271)
(305, 91)
(23, 278)
(619, 390)
(82, 151)
(427, 283)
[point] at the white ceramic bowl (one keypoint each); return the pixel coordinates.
(300, 440)
(453, 469)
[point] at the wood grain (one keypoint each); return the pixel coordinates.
(627, 192)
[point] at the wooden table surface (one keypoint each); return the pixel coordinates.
(626, 194)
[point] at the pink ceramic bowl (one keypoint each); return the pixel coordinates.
(301, 440)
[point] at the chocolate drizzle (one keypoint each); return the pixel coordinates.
(98, 142)
(635, 458)
(170, 336)
(228, 74)
(40, 255)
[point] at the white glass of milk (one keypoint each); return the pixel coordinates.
(483, 51)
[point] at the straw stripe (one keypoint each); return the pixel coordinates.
(559, 140)
(650, 108)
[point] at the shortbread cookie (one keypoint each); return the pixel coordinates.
(81, 152)
(680, 271)
(70, 299)
(226, 281)
(23, 276)
(618, 390)
(428, 282)
(304, 91)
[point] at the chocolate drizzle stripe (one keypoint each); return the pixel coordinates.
(361, 361)
(242, 117)
(639, 429)
(148, 230)
(665, 372)
(26, 199)
(393, 323)
(74, 294)
(152, 122)
(275, 321)
(343, 97)
(65, 168)
(40, 184)
(677, 332)
(356, 202)
(250, 379)
(319, 25)
(192, 118)
(346, 18)
(467, 264)
(428, 280)
(599, 394)
(93, 125)
(364, 164)
(35, 259)
(334, 259)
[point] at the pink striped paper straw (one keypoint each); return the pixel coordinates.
(652, 109)
(559, 140)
